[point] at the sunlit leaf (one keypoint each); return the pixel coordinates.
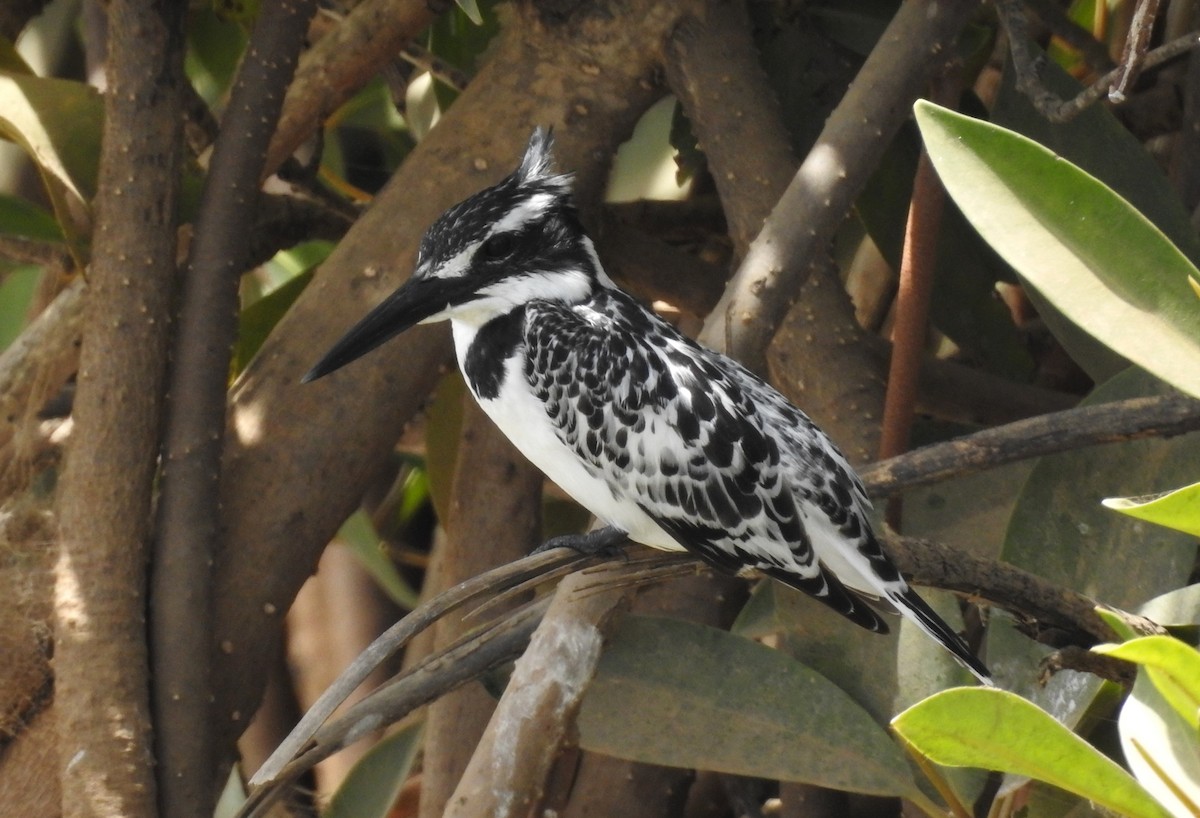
(1178, 509)
(997, 730)
(1161, 749)
(1100, 262)
(1173, 667)
(684, 695)
(471, 9)
(371, 786)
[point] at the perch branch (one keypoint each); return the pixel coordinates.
(1131, 419)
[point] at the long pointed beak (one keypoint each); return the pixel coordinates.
(417, 300)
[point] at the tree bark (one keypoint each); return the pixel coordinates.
(102, 698)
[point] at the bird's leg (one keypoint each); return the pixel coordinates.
(603, 542)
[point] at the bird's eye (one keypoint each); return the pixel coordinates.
(499, 246)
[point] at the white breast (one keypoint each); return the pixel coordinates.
(523, 420)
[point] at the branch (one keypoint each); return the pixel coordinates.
(342, 62)
(799, 229)
(444, 671)
(713, 67)
(507, 774)
(102, 698)
(189, 501)
(1131, 419)
(1028, 66)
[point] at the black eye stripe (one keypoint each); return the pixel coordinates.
(499, 246)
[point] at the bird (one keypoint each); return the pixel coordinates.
(666, 442)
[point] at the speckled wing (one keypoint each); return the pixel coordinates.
(717, 458)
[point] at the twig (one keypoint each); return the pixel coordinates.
(189, 502)
(1130, 419)
(1136, 43)
(1042, 603)
(444, 671)
(396, 637)
(915, 44)
(102, 697)
(1028, 66)
(300, 457)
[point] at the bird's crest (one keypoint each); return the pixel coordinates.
(537, 163)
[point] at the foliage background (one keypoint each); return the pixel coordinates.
(196, 202)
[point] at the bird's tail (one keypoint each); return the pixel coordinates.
(918, 610)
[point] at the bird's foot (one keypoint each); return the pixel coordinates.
(603, 542)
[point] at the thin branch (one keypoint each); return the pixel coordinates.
(1028, 66)
(1136, 43)
(189, 503)
(444, 671)
(390, 642)
(917, 263)
(102, 698)
(916, 43)
(1040, 603)
(1130, 419)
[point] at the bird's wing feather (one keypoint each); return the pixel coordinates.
(717, 458)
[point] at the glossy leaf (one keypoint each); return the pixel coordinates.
(371, 786)
(997, 730)
(1178, 509)
(1161, 749)
(1099, 261)
(684, 695)
(1173, 667)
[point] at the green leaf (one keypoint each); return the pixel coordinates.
(471, 9)
(358, 532)
(58, 123)
(258, 319)
(1161, 748)
(1178, 509)
(1098, 260)
(684, 695)
(371, 786)
(16, 293)
(997, 730)
(19, 217)
(1173, 667)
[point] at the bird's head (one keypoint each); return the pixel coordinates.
(509, 244)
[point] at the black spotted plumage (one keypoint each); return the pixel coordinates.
(675, 445)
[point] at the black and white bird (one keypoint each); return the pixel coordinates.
(668, 443)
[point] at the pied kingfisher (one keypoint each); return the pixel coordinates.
(670, 444)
